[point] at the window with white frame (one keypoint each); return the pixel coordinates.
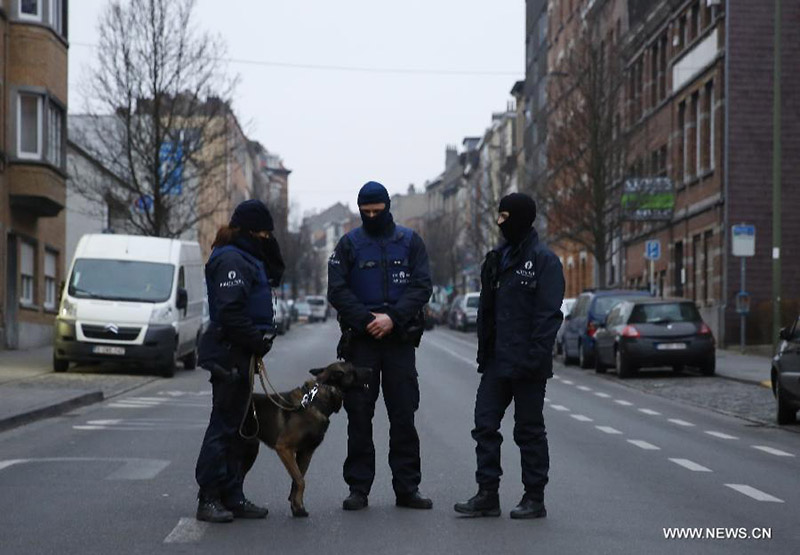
(27, 267)
(55, 141)
(29, 126)
(57, 16)
(50, 264)
(30, 9)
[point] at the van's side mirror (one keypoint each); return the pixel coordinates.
(786, 334)
(568, 317)
(183, 299)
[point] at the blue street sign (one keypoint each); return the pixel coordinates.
(143, 204)
(171, 168)
(652, 250)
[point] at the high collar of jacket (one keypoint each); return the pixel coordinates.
(249, 244)
(531, 239)
(386, 233)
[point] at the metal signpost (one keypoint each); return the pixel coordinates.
(652, 252)
(743, 245)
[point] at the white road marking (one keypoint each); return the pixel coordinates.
(752, 492)
(188, 530)
(680, 422)
(720, 435)
(693, 466)
(623, 403)
(138, 469)
(568, 382)
(6, 464)
(650, 412)
(89, 428)
(584, 388)
(772, 451)
(601, 394)
(581, 418)
(643, 445)
(608, 429)
(559, 407)
(103, 422)
(452, 353)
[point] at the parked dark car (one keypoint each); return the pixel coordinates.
(587, 315)
(654, 332)
(433, 311)
(786, 374)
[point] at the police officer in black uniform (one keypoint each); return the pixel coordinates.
(522, 286)
(244, 264)
(378, 281)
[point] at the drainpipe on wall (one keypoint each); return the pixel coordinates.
(721, 340)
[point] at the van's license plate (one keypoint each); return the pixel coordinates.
(108, 350)
(671, 346)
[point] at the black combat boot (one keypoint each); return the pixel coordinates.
(211, 509)
(247, 509)
(355, 501)
(485, 503)
(529, 508)
(413, 501)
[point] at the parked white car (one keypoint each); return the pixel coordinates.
(319, 308)
(131, 299)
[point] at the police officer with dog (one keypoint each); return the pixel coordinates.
(244, 264)
(379, 281)
(522, 287)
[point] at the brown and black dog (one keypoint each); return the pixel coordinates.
(295, 434)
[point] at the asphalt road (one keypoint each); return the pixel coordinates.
(118, 477)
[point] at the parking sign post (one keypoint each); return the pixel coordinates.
(743, 245)
(652, 252)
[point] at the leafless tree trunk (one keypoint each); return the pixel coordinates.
(159, 117)
(587, 150)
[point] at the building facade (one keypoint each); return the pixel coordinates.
(33, 168)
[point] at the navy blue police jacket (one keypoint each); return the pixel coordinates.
(522, 289)
(240, 306)
(387, 274)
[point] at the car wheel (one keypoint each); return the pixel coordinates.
(190, 360)
(168, 370)
(678, 368)
(568, 360)
(624, 368)
(559, 347)
(709, 367)
(584, 360)
(599, 367)
(786, 412)
(60, 365)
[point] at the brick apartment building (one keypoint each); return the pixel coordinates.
(32, 168)
(697, 109)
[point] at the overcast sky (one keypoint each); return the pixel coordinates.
(337, 129)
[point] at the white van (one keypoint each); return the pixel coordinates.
(131, 299)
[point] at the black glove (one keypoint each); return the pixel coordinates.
(264, 347)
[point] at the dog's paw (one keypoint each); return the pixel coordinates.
(299, 513)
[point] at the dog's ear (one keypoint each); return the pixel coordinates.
(316, 371)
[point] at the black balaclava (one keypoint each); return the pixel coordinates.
(521, 213)
(374, 193)
(254, 216)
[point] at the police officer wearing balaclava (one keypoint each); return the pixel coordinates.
(244, 265)
(522, 287)
(378, 281)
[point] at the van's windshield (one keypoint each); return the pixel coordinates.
(121, 280)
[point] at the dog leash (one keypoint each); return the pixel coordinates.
(257, 363)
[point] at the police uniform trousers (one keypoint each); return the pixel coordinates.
(225, 456)
(497, 388)
(393, 367)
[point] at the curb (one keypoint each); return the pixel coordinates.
(51, 410)
(760, 383)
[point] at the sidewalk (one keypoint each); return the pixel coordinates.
(749, 368)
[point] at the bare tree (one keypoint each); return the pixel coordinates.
(441, 234)
(587, 150)
(160, 117)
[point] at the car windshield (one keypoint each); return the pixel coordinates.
(603, 305)
(302, 307)
(121, 280)
(316, 302)
(663, 313)
(473, 302)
